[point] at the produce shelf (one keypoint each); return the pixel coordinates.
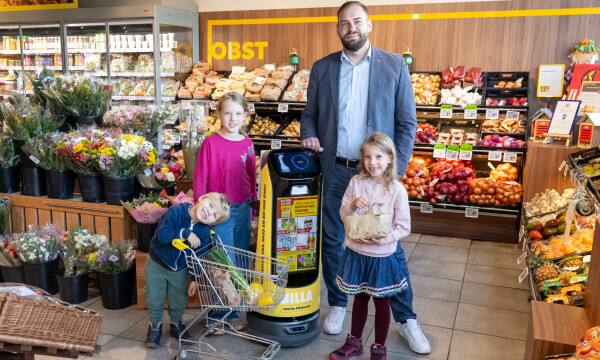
(489, 209)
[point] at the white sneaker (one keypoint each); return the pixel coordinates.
(334, 321)
(414, 336)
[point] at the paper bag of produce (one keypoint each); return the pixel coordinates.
(368, 225)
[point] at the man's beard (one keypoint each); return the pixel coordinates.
(354, 45)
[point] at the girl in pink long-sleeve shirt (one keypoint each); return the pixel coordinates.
(369, 267)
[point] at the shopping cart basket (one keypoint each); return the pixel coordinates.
(230, 279)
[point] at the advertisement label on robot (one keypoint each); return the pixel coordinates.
(297, 231)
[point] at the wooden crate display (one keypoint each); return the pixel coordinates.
(112, 221)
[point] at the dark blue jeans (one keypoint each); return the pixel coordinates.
(332, 247)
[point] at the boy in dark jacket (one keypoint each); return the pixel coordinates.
(166, 268)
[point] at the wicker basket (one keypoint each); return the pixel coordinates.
(47, 323)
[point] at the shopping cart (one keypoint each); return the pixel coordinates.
(230, 279)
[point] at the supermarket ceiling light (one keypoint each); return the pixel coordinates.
(415, 16)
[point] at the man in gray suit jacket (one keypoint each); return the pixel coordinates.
(352, 94)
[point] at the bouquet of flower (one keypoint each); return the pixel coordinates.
(166, 172)
(147, 209)
(42, 149)
(38, 83)
(77, 246)
(79, 150)
(125, 157)
(113, 258)
(143, 120)
(38, 246)
(8, 254)
(78, 96)
(8, 152)
(26, 121)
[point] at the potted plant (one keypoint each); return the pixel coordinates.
(38, 250)
(39, 81)
(146, 211)
(79, 152)
(116, 274)
(9, 166)
(166, 172)
(11, 267)
(85, 99)
(59, 179)
(119, 161)
(26, 121)
(76, 247)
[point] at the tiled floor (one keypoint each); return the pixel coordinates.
(467, 298)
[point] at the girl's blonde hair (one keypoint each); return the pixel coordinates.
(384, 144)
(238, 99)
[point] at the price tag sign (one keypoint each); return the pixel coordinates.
(238, 69)
(452, 152)
(186, 105)
(495, 156)
(34, 159)
(510, 157)
(439, 151)
(117, 97)
(270, 67)
(170, 122)
(132, 97)
(275, 144)
(470, 112)
(176, 139)
(466, 152)
(283, 107)
(524, 275)
(512, 115)
(260, 80)
(251, 108)
(148, 98)
(213, 105)
(166, 146)
(522, 257)
(147, 172)
(562, 165)
(446, 112)
(427, 208)
(587, 258)
(472, 213)
(566, 171)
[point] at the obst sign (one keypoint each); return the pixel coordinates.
(234, 50)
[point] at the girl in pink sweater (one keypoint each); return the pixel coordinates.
(369, 267)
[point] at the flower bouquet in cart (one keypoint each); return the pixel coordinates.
(114, 265)
(79, 152)
(120, 160)
(147, 211)
(166, 172)
(76, 248)
(38, 250)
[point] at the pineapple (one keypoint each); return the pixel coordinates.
(572, 261)
(544, 269)
(565, 278)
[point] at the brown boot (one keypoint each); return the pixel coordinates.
(378, 352)
(352, 347)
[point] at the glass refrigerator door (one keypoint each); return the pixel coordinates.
(176, 60)
(132, 62)
(41, 49)
(86, 49)
(10, 60)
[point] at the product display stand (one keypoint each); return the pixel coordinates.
(555, 328)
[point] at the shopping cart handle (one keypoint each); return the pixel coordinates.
(180, 244)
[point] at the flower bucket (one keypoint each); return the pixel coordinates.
(42, 275)
(26, 162)
(9, 179)
(144, 233)
(92, 188)
(88, 121)
(13, 274)
(73, 289)
(118, 189)
(170, 190)
(66, 123)
(34, 182)
(60, 184)
(116, 289)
